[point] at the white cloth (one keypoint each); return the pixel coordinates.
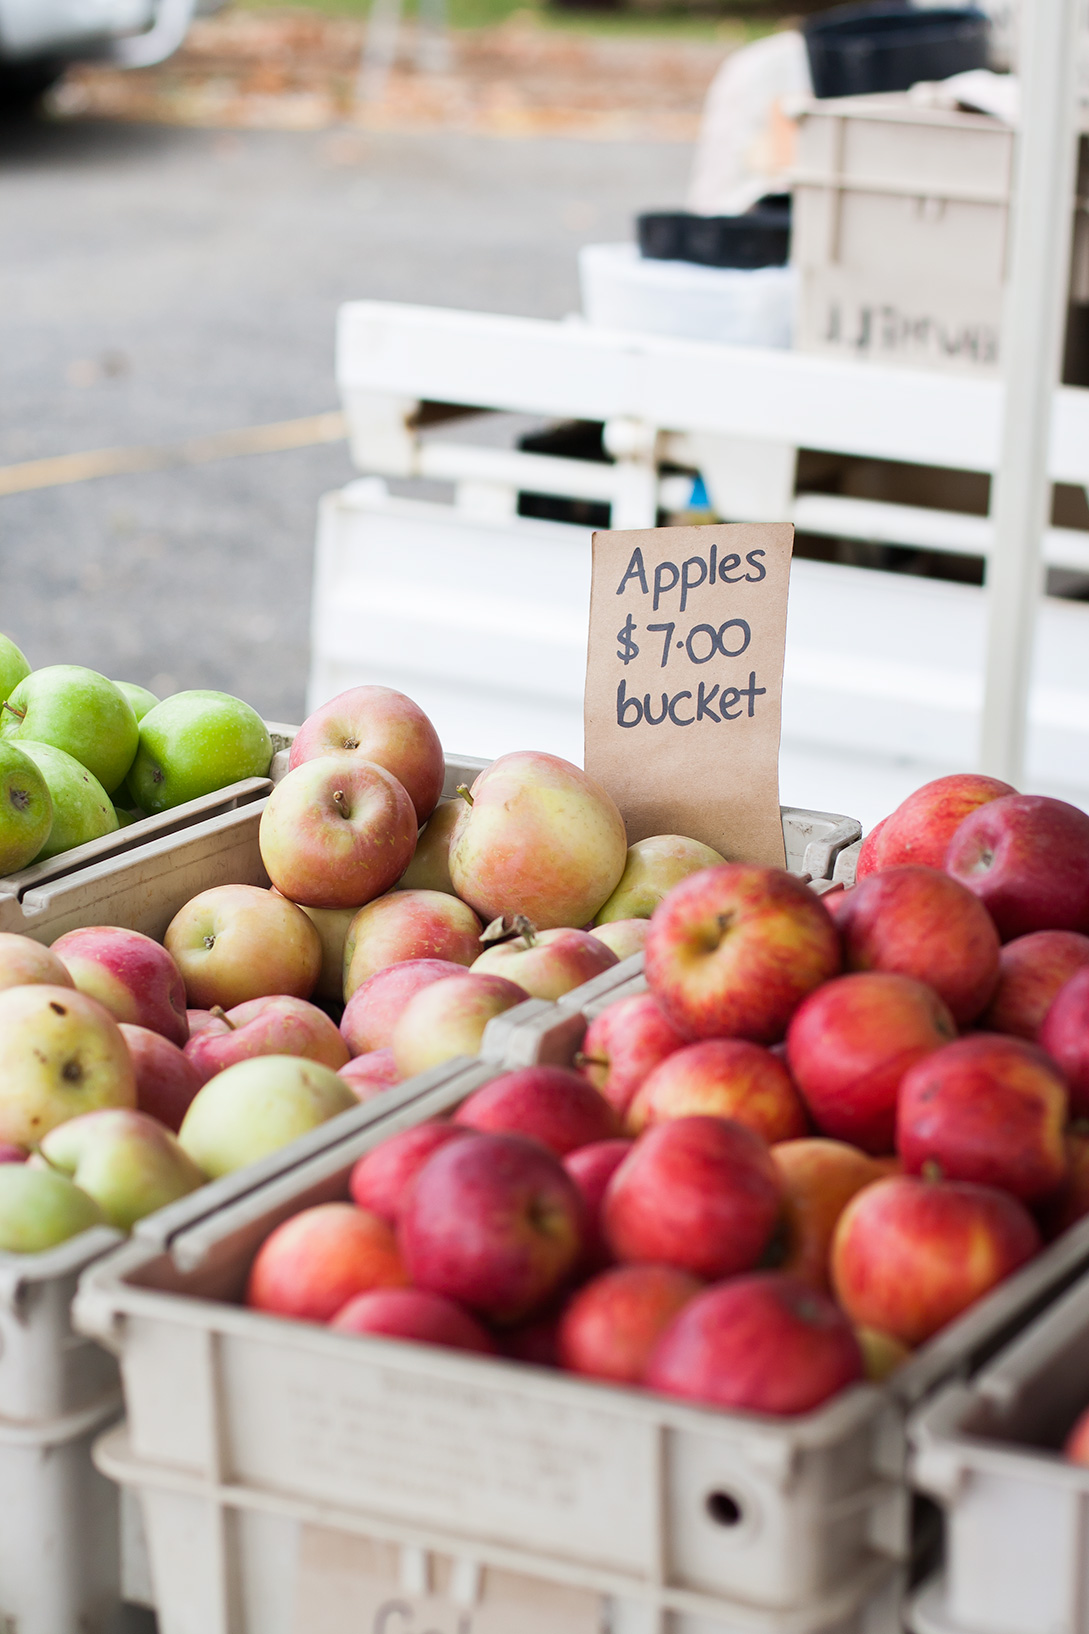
(746, 141)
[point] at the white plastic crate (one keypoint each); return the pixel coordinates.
(1014, 1507)
(623, 290)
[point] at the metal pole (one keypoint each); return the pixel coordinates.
(1034, 318)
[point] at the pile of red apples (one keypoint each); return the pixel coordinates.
(831, 1124)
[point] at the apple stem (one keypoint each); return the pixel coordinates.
(590, 1060)
(339, 801)
(220, 1014)
(20, 714)
(526, 929)
(463, 790)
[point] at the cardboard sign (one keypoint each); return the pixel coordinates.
(684, 682)
(356, 1585)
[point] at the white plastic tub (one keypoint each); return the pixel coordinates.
(623, 290)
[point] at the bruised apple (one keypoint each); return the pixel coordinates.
(727, 1078)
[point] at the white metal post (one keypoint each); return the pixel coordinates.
(1032, 331)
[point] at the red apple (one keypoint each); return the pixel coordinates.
(868, 860)
(625, 1042)
(548, 963)
(135, 978)
(549, 1104)
(166, 1080)
(609, 1328)
(370, 1074)
(909, 1255)
(448, 1019)
(239, 942)
(762, 1344)
(921, 827)
(372, 1011)
(727, 1078)
(919, 922)
(494, 1222)
(276, 1025)
(540, 838)
(377, 724)
(733, 950)
(337, 832)
(987, 1108)
(1065, 1037)
(382, 1178)
(850, 1044)
(1027, 859)
(202, 1020)
(414, 1314)
(818, 1179)
(409, 927)
(1071, 1202)
(314, 1263)
(699, 1193)
(591, 1168)
(1033, 970)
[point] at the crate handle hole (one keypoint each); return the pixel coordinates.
(723, 1509)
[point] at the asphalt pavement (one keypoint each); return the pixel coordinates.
(159, 283)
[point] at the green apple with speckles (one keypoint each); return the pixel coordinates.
(79, 711)
(82, 810)
(13, 667)
(194, 743)
(26, 809)
(127, 1161)
(61, 1053)
(39, 1209)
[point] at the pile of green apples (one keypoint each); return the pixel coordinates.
(81, 755)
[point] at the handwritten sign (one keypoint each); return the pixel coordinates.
(684, 682)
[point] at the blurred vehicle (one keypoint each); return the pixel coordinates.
(39, 38)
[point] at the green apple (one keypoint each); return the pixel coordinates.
(255, 1107)
(39, 1209)
(26, 809)
(652, 869)
(79, 711)
(13, 667)
(139, 697)
(82, 810)
(127, 1161)
(194, 743)
(125, 818)
(429, 869)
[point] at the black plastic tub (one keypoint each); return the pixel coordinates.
(760, 238)
(891, 46)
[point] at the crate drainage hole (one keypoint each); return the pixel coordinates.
(723, 1510)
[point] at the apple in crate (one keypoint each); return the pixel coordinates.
(624, 1043)
(700, 1193)
(408, 925)
(539, 837)
(921, 827)
(1033, 970)
(26, 809)
(134, 977)
(493, 1222)
(909, 1255)
(276, 1025)
(166, 1080)
(61, 1053)
(381, 726)
(547, 963)
(238, 942)
(24, 963)
(818, 1179)
(429, 869)
(726, 1078)
(39, 1209)
(610, 1327)
(1065, 1037)
(986, 1108)
(850, 1044)
(372, 1010)
(416, 1315)
(448, 1018)
(79, 711)
(332, 925)
(194, 743)
(624, 936)
(919, 922)
(1026, 857)
(382, 1179)
(591, 1168)
(733, 950)
(82, 810)
(337, 832)
(314, 1263)
(370, 1074)
(549, 1104)
(652, 869)
(128, 1162)
(14, 666)
(258, 1106)
(765, 1343)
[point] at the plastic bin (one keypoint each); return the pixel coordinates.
(858, 50)
(1014, 1508)
(623, 290)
